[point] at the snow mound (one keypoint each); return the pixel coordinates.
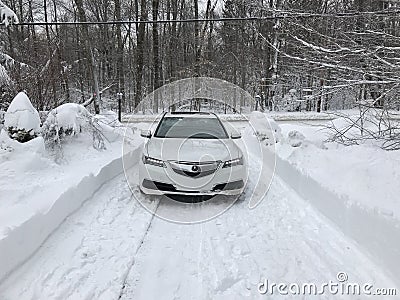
(296, 138)
(266, 129)
(110, 133)
(21, 115)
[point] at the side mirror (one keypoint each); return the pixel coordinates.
(146, 134)
(236, 135)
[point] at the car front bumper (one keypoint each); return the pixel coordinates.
(155, 180)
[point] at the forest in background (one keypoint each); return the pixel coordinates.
(322, 54)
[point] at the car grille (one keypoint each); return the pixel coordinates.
(195, 169)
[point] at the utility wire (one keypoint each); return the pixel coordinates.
(276, 15)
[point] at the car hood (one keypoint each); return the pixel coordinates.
(192, 150)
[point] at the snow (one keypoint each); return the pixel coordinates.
(75, 231)
(112, 247)
(354, 186)
(68, 116)
(41, 194)
(37, 194)
(90, 253)
(22, 115)
(367, 167)
(7, 16)
(265, 128)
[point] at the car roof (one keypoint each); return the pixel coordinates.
(181, 114)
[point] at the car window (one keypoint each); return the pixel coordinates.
(196, 128)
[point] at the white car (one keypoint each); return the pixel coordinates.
(192, 154)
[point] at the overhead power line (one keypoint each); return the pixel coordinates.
(274, 16)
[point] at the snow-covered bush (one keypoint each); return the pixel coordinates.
(295, 138)
(7, 16)
(266, 129)
(22, 120)
(69, 120)
(34, 146)
(63, 121)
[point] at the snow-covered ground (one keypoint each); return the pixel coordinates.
(113, 248)
(38, 194)
(366, 174)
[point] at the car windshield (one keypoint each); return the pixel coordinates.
(191, 128)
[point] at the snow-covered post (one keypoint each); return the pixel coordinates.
(7, 16)
(120, 95)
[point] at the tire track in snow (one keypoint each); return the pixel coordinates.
(137, 250)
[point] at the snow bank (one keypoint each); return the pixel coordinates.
(364, 173)
(376, 233)
(28, 220)
(21, 115)
(355, 187)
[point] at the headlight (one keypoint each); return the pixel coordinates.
(153, 161)
(233, 162)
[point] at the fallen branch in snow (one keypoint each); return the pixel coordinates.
(372, 125)
(91, 99)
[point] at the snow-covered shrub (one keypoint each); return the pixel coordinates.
(70, 120)
(34, 146)
(295, 138)
(65, 120)
(266, 129)
(22, 120)
(7, 16)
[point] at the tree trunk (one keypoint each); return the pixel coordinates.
(156, 56)
(89, 55)
(140, 54)
(120, 53)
